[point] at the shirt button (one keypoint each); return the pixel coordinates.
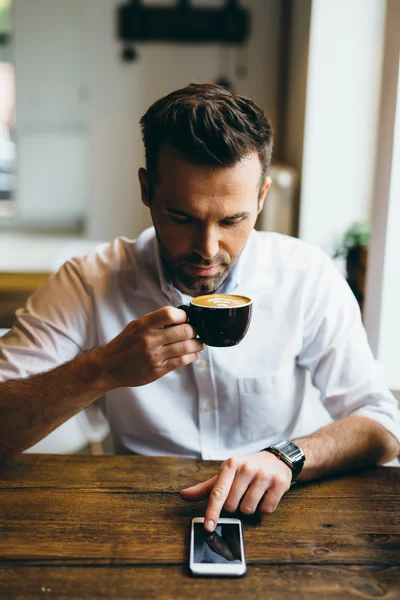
(207, 407)
(202, 363)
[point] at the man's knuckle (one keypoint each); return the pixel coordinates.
(247, 469)
(280, 482)
(182, 360)
(246, 509)
(170, 313)
(232, 463)
(267, 509)
(262, 476)
(185, 347)
(134, 326)
(218, 493)
(230, 505)
(187, 332)
(263, 482)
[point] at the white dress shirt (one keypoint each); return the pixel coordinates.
(230, 401)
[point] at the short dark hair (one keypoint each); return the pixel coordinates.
(207, 125)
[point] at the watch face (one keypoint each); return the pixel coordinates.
(291, 451)
(290, 454)
(290, 448)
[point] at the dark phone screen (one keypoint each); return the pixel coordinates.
(221, 546)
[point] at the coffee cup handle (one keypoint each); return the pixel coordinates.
(186, 308)
(188, 311)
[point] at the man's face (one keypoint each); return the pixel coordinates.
(203, 217)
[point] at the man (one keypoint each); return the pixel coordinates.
(111, 318)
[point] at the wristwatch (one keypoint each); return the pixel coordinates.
(290, 454)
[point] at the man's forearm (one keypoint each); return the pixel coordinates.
(347, 444)
(31, 408)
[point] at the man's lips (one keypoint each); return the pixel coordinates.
(201, 270)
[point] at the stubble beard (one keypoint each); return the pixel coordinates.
(190, 284)
(200, 285)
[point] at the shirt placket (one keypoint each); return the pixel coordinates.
(208, 417)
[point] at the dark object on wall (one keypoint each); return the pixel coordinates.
(129, 54)
(183, 23)
(224, 82)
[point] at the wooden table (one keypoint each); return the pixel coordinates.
(115, 527)
(15, 289)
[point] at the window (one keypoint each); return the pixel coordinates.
(7, 111)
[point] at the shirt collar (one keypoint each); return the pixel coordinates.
(176, 297)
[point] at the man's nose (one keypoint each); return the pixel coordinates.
(207, 243)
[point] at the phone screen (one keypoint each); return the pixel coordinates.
(221, 546)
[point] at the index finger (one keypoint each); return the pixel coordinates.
(218, 495)
(168, 315)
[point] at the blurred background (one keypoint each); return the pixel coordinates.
(73, 88)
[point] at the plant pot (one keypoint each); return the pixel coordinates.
(356, 266)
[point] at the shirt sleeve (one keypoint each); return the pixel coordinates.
(336, 351)
(53, 327)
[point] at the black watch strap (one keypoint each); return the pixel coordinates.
(290, 454)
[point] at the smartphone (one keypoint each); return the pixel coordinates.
(220, 553)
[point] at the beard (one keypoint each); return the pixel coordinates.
(200, 284)
(192, 284)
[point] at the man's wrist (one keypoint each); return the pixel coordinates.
(290, 454)
(96, 370)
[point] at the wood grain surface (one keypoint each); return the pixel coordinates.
(296, 582)
(114, 526)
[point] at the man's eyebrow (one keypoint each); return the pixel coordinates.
(238, 215)
(182, 213)
(175, 211)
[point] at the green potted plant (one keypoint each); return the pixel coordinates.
(353, 247)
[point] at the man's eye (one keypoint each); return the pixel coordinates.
(231, 223)
(179, 219)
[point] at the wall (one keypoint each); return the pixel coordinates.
(382, 315)
(78, 105)
(388, 346)
(121, 92)
(344, 75)
(351, 161)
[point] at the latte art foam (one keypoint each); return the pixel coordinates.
(221, 301)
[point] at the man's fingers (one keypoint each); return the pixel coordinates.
(253, 495)
(245, 482)
(273, 497)
(218, 496)
(181, 348)
(168, 315)
(198, 492)
(170, 364)
(239, 487)
(177, 333)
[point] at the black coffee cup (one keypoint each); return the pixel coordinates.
(220, 319)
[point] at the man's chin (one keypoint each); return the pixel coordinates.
(196, 286)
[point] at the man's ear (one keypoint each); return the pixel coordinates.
(263, 193)
(144, 186)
